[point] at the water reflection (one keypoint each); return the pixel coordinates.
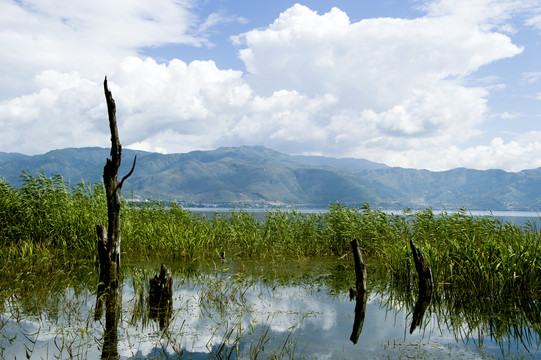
(360, 313)
(113, 308)
(422, 303)
(160, 304)
(245, 310)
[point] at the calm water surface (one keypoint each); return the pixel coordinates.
(267, 310)
(521, 218)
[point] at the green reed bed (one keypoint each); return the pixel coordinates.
(48, 211)
(480, 255)
(475, 255)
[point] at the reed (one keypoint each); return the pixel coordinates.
(474, 255)
(49, 211)
(480, 255)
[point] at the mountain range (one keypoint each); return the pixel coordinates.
(256, 176)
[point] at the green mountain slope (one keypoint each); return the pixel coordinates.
(261, 175)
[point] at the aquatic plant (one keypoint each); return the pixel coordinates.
(49, 211)
(475, 255)
(479, 255)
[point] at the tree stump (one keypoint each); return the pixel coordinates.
(160, 297)
(423, 270)
(360, 268)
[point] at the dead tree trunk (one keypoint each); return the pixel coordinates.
(113, 188)
(109, 243)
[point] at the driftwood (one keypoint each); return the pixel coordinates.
(160, 297)
(359, 293)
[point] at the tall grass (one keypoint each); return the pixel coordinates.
(477, 255)
(480, 255)
(49, 211)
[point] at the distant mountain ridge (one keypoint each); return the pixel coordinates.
(346, 163)
(258, 175)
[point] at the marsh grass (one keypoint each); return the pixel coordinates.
(475, 256)
(480, 256)
(49, 211)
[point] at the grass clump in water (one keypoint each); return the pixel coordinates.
(480, 255)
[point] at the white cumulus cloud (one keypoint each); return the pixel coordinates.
(387, 89)
(85, 36)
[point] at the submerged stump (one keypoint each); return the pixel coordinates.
(160, 297)
(425, 287)
(360, 268)
(423, 270)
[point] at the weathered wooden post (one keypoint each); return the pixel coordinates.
(360, 268)
(360, 292)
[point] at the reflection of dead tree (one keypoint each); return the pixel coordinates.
(425, 286)
(109, 243)
(110, 334)
(359, 293)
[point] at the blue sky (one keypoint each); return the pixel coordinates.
(240, 16)
(422, 84)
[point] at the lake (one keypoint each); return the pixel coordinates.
(520, 218)
(269, 310)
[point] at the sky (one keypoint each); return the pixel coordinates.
(425, 84)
